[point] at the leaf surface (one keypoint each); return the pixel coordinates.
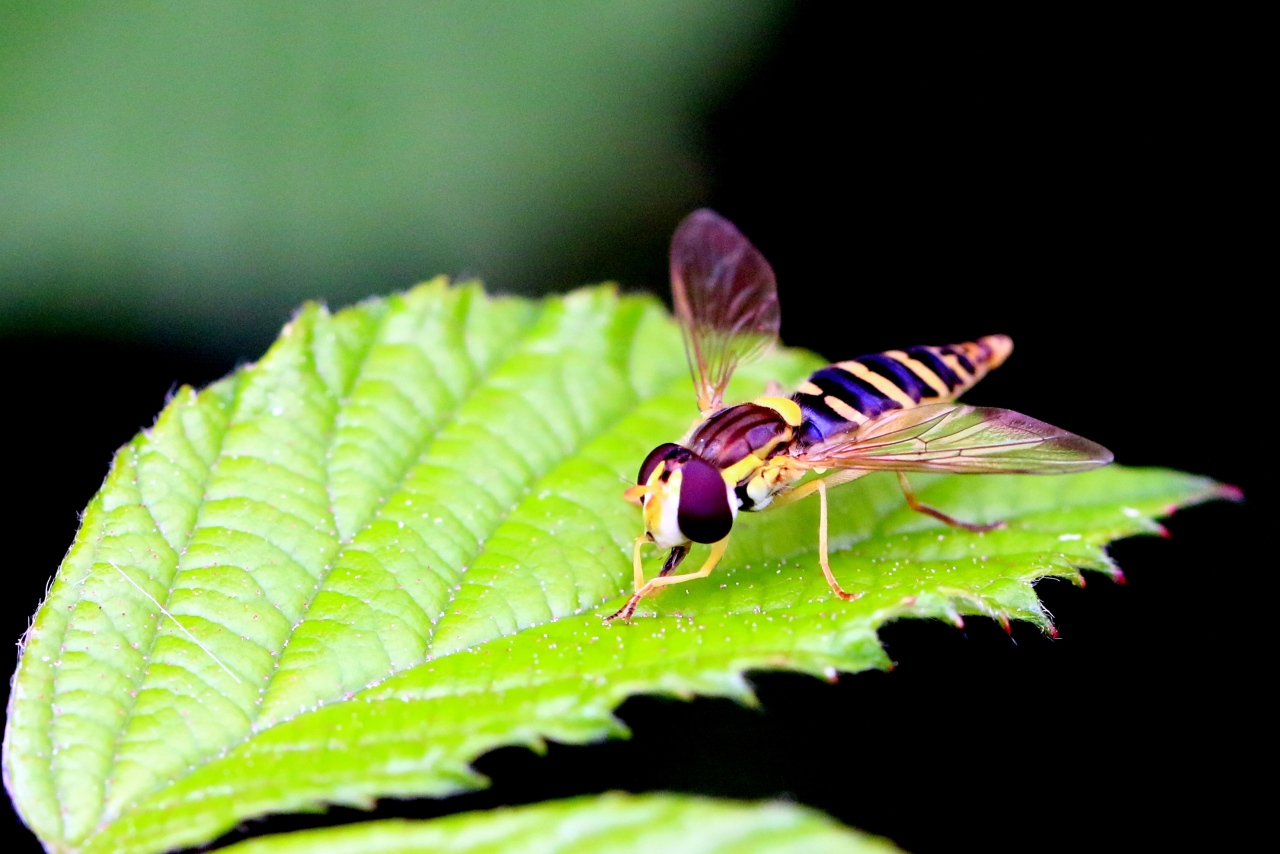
(344, 572)
(608, 824)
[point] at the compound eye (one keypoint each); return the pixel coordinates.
(656, 456)
(704, 515)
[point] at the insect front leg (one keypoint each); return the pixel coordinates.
(636, 565)
(674, 557)
(915, 505)
(673, 560)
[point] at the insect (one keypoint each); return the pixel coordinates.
(892, 411)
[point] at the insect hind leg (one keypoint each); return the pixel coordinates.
(914, 504)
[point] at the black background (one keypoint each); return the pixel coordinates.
(1083, 185)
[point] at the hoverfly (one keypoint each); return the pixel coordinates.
(892, 411)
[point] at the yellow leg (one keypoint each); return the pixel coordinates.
(819, 485)
(822, 544)
(625, 612)
(915, 505)
(804, 490)
(635, 561)
(717, 552)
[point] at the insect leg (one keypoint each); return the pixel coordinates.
(915, 505)
(804, 490)
(822, 544)
(717, 552)
(636, 565)
(674, 557)
(673, 560)
(820, 485)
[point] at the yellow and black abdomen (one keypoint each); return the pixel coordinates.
(847, 394)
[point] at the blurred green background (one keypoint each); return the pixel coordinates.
(190, 172)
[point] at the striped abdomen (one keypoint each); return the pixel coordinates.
(844, 395)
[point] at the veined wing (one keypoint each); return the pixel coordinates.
(726, 299)
(960, 439)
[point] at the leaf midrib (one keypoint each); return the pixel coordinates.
(480, 379)
(327, 441)
(184, 540)
(210, 471)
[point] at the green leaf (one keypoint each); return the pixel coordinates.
(608, 824)
(346, 571)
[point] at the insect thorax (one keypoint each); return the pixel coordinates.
(740, 440)
(735, 433)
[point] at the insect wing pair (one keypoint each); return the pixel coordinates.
(726, 301)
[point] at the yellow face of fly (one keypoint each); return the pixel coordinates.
(660, 500)
(685, 498)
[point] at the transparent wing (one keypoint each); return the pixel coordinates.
(953, 437)
(726, 299)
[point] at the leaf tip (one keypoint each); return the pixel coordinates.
(1228, 492)
(1211, 491)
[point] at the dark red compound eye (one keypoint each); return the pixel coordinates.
(656, 456)
(704, 515)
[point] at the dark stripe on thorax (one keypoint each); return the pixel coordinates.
(731, 434)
